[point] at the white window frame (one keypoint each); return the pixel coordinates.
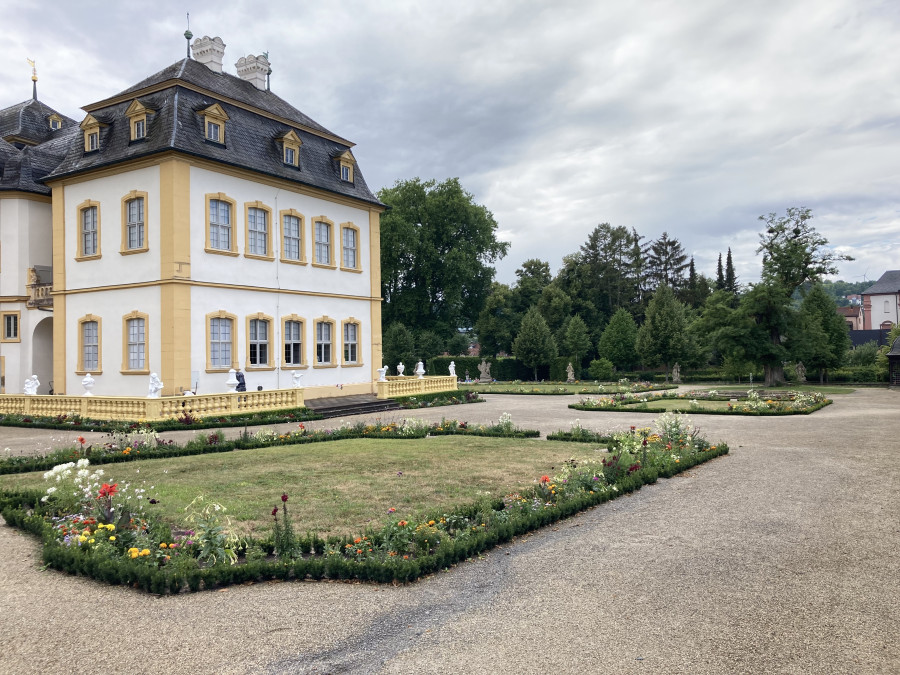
(140, 129)
(134, 228)
(137, 343)
(351, 343)
(90, 349)
(257, 237)
(221, 349)
(324, 342)
(323, 246)
(293, 346)
(291, 241)
(349, 251)
(216, 228)
(11, 326)
(258, 342)
(213, 131)
(89, 231)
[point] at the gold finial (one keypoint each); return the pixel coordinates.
(33, 70)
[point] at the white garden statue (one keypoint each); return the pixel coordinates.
(400, 369)
(420, 370)
(382, 372)
(156, 386)
(296, 376)
(570, 373)
(88, 384)
(232, 381)
(453, 368)
(31, 386)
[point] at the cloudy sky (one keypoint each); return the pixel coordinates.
(687, 117)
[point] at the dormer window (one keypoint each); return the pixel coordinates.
(290, 148)
(91, 128)
(214, 118)
(137, 117)
(55, 122)
(346, 162)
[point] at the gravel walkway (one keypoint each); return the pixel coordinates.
(783, 557)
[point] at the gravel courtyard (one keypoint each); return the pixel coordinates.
(782, 557)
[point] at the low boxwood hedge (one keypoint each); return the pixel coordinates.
(23, 510)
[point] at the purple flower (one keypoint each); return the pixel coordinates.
(399, 473)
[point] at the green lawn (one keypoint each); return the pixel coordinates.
(338, 487)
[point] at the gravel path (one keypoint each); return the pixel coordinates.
(782, 557)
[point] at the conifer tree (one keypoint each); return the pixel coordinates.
(534, 345)
(720, 276)
(731, 284)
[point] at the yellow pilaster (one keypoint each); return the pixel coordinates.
(175, 265)
(58, 210)
(375, 290)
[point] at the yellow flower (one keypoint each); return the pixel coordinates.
(163, 545)
(110, 527)
(90, 541)
(82, 539)
(112, 538)
(146, 551)
(134, 553)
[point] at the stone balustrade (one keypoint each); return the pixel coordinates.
(412, 386)
(139, 408)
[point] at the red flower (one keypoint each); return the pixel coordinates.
(80, 439)
(284, 497)
(275, 512)
(545, 479)
(107, 490)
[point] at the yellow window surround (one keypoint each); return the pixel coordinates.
(221, 368)
(126, 366)
(214, 117)
(80, 368)
(290, 148)
(288, 338)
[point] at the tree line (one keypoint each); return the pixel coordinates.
(618, 302)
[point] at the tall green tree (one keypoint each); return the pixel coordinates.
(731, 284)
(666, 263)
(820, 311)
(661, 338)
(534, 345)
(794, 253)
(438, 249)
(578, 341)
(532, 278)
(399, 346)
(720, 275)
(555, 306)
(617, 343)
(497, 323)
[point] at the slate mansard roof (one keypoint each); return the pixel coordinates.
(888, 283)
(29, 148)
(257, 119)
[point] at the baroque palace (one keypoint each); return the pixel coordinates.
(190, 224)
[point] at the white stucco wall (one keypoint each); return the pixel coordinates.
(111, 306)
(112, 267)
(210, 267)
(884, 308)
(243, 303)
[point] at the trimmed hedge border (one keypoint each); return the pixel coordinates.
(283, 416)
(45, 463)
(14, 507)
(582, 437)
(437, 399)
(631, 406)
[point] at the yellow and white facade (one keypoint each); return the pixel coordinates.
(186, 250)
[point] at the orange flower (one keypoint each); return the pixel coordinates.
(402, 523)
(545, 479)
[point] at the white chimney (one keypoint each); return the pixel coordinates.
(253, 69)
(210, 52)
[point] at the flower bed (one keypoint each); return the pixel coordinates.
(438, 399)
(578, 434)
(186, 421)
(106, 530)
(504, 428)
(789, 403)
(542, 389)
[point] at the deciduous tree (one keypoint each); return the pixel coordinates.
(534, 345)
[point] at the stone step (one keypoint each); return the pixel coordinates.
(338, 406)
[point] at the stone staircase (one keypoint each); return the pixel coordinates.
(361, 404)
